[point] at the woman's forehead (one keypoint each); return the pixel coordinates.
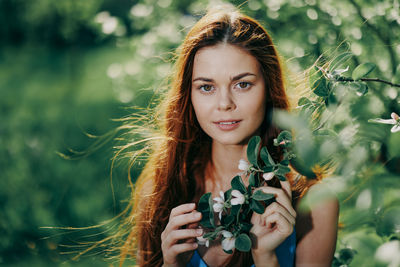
(224, 59)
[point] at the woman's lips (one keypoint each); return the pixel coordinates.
(227, 125)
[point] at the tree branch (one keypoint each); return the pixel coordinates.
(383, 37)
(344, 79)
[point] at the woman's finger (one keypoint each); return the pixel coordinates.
(175, 236)
(170, 253)
(183, 247)
(192, 226)
(182, 219)
(184, 208)
(279, 221)
(287, 188)
(281, 197)
(275, 207)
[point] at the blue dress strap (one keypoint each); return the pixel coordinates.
(285, 253)
(196, 261)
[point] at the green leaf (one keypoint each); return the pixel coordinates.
(318, 83)
(211, 212)
(256, 206)
(284, 136)
(301, 168)
(281, 177)
(339, 60)
(346, 255)
(243, 243)
(268, 169)
(203, 202)
(237, 183)
(363, 70)
(235, 211)
(266, 157)
(321, 88)
(206, 209)
(228, 251)
(228, 195)
(228, 220)
(304, 101)
(260, 195)
(245, 227)
(252, 180)
(211, 235)
(282, 170)
(362, 89)
(252, 150)
(285, 162)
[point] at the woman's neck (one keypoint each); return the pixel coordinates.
(225, 161)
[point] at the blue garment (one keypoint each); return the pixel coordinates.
(285, 253)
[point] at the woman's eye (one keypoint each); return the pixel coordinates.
(206, 88)
(244, 85)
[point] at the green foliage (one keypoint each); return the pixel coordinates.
(253, 150)
(243, 243)
(235, 215)
(260, 195)
(238, 184)
(204, 205)
(363, 70)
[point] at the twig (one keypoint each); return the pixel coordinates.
(343, 79)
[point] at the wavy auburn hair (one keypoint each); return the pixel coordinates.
(174, 172)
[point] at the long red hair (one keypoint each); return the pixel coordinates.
(171, 175)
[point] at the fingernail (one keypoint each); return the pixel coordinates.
(197, 215)
(194, 245)
(192, 205)
(199, 231)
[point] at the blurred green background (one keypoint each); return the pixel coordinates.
(69, 67)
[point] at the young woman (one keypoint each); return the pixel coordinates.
(227, 82)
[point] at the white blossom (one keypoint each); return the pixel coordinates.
(243, 165)
(237, 197)
(395, 120)
(220, 204)
(389, 253)
(268, 176)
(228, 243)
(203, 241)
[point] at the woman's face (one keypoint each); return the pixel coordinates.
(228, 93)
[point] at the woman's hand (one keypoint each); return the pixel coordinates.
(179, 236)
(272, 227)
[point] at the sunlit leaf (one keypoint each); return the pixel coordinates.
(303, 101)
(339, 60)
(321, 88)
(363, 70)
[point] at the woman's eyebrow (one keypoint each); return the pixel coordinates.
(235, 78)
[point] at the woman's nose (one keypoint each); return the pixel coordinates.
(225, 101)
